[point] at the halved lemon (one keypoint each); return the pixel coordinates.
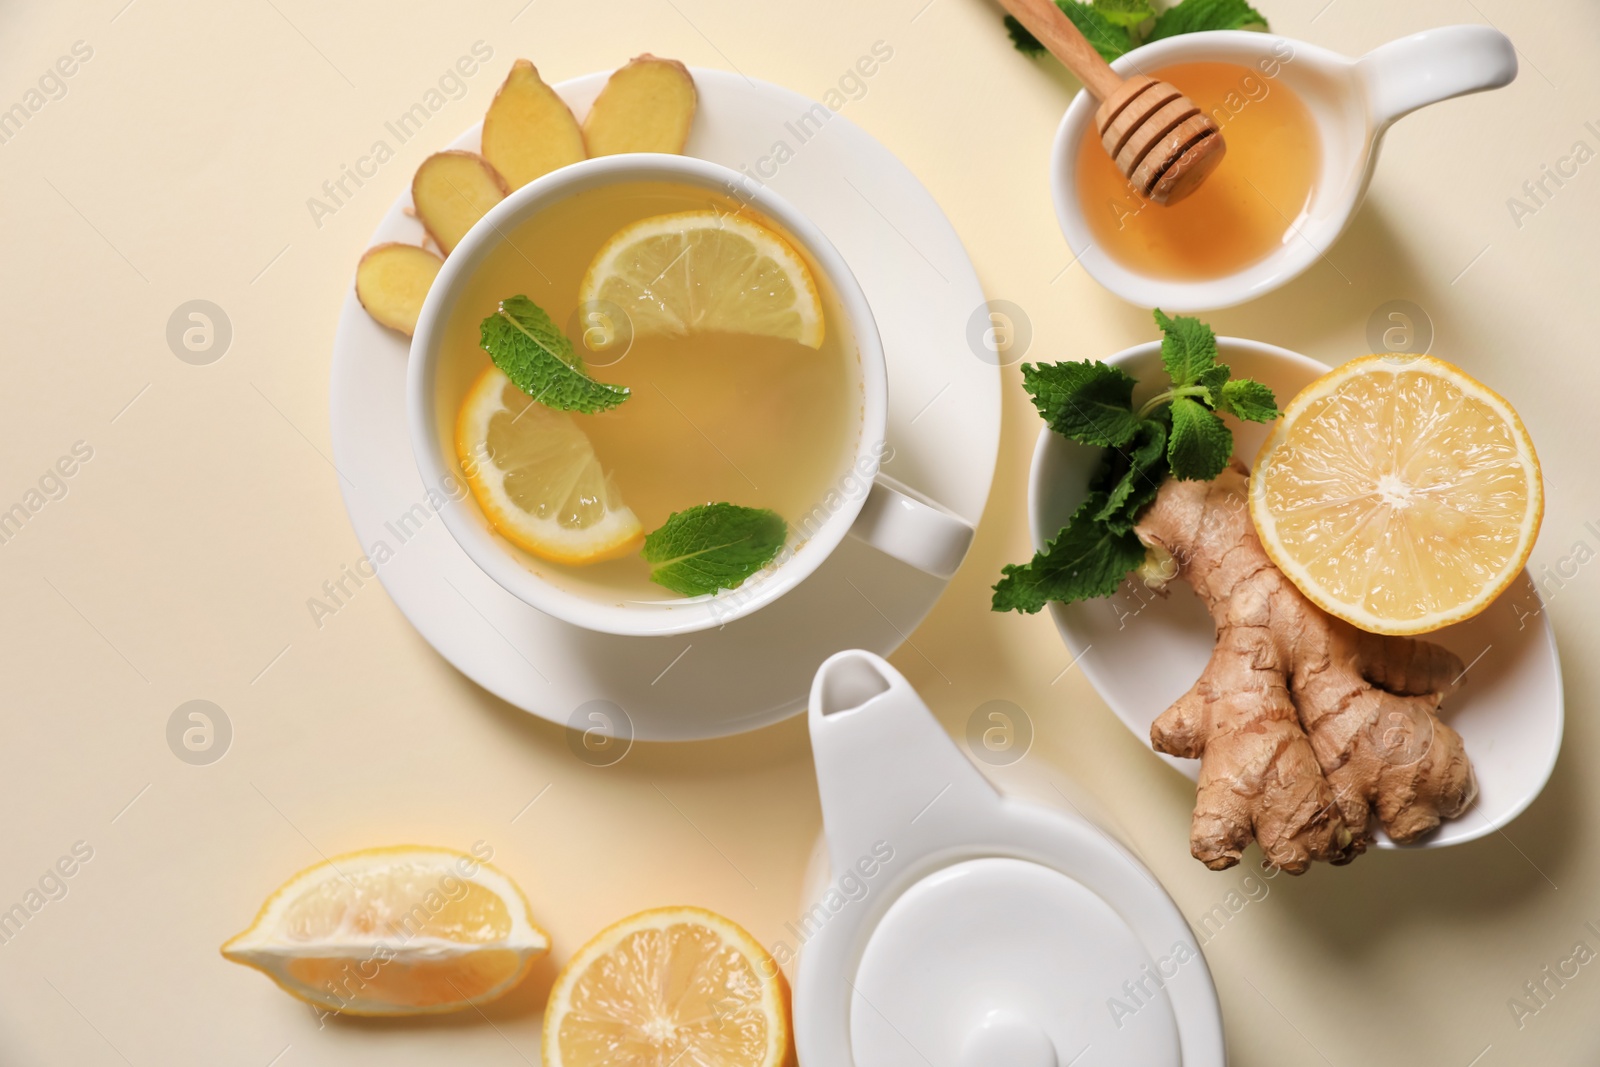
(669, 986)
(536, 477)
(706, 271)
(1398, 494)
(409, 930)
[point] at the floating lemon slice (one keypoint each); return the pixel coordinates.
(536, 477)
(706, 271)
(670, 986)
(1398, 494)
(409, 930)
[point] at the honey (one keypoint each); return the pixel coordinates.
(1249, 206)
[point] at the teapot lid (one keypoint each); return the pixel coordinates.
(1000, 961)
(992, 932)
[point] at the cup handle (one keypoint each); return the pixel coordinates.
(900, 522)
(1434, 65)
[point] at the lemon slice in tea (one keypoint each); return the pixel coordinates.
(706, 271)
(537, 479)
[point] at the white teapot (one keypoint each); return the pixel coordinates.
(966, 929)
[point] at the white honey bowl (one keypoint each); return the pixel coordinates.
(1352, 102)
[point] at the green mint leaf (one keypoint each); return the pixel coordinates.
(1134, 477)
(1192, 16)
(1021, 39)
(1087, 402)
(713, 546)
(1200, 444)
(1086, 560)
(1212, 381)
(1108, 38)
(1125, 13)
(1248, 399)
(1188, 351)
(535, 354)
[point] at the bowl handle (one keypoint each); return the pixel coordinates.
(1434, 65)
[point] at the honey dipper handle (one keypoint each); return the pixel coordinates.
(1067, 43)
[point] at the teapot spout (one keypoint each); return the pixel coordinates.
(888, 774)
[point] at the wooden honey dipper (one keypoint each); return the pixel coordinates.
(1162, 142)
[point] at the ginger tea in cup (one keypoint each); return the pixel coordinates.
(742, 388)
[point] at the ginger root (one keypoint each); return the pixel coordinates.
(528, 130)
(392, 281)
(646, 106)
(1303, 725)
(451, 191)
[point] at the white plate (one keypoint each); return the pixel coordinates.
(1142, 652)
(944, 428)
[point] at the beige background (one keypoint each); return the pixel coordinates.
(178, 565)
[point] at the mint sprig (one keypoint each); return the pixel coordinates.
(536, 355)
(1088, 402)
(1113, 26)
(1130, 477)
(1176, 433)
(1193, 16)
(1109, 39)
(1128, 14)
(1247, 399)
(1200, 444)
(713, 546)
(1087, 559)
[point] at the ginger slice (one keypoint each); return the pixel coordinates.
(646, 106)
(392, 280)
(1303, 725)
(528, 130)
(451, 191)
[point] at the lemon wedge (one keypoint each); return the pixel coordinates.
(669, 986)
(706, 271)
(1398, 494)
(409, 930)
(535, 475)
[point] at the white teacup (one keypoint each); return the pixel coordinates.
(1352, 102)
(864, 503)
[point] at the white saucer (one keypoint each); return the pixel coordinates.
(1141, 653)
(944, 429)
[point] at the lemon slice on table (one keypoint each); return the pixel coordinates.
(1398, 494)
(669, 986)
(409, 930)
(535, 475)
(706, 271)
